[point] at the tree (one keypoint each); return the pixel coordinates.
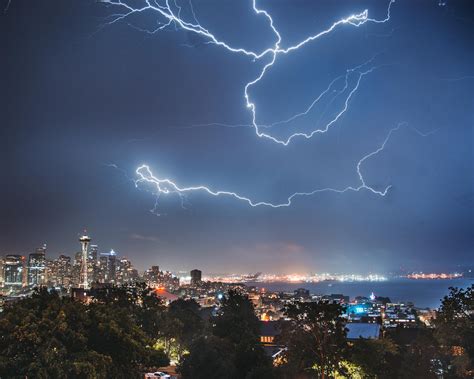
(377, 358)
(455, 328)
(235, 332)
(47, 336)
(140, 301)
(209, 358)
(420, 357)
(183, 325)
(315, 337)
(236, 322)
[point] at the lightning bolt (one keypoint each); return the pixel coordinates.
(166, 186)
(314, 103)
(172, 15)
(5, 10)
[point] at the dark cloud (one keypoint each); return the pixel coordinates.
(73, 98)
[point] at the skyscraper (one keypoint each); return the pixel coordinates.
(2, 272)
(125, 273)
(14, 270)
(93, 264)
(108, 267)
(196, 277)
(59, 272)
(37, 267)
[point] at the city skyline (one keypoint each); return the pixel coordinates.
(88, 100)
(94, 251)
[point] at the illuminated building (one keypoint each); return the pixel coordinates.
(60, 272)
(76, 269)
(125, 272)
(2, 272)
(165, 295)
(94, 254)
(14, 270)
(93, 264)
(196, 276)
(37, 267)
(268, 331)
(108, 267)
(152, 275)
(157, 279)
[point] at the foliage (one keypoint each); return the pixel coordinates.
(315, 337)
(455, 329)
(209, 358)
(47, 336)
(233, 345)
(117, 335)
(139, 301)
(182, 326)
(377, 358)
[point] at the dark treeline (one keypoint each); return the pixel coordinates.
(127, 331)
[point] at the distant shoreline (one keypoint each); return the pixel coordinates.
(424, 293)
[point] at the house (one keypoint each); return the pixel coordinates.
(268, 331)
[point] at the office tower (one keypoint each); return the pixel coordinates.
(93, 264)
(64, 270)
(60, 272)
(37, 267)
(14, 270)
(108, 267)
(152, 275)
(125, 273)
(196, 277)
(2, 272)
(94, 254)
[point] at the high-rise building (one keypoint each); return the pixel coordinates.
(108, 267)
(64, 271)
(125, 273)
(2, 272)
(152, 275)
(94, 254)
(37, 267)
(93, 264)
(168, 280)
(60, 272)
(76, 269)
(14, 270)
(158, 279)
(196, 276)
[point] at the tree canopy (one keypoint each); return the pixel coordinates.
(232, 345)
(47, 336)
(315, 337)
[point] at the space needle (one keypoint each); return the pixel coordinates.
(85, 241)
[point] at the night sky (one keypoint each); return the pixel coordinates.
(78, 99)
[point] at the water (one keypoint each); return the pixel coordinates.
(423, 293)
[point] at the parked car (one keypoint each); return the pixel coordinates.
(157, 374)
